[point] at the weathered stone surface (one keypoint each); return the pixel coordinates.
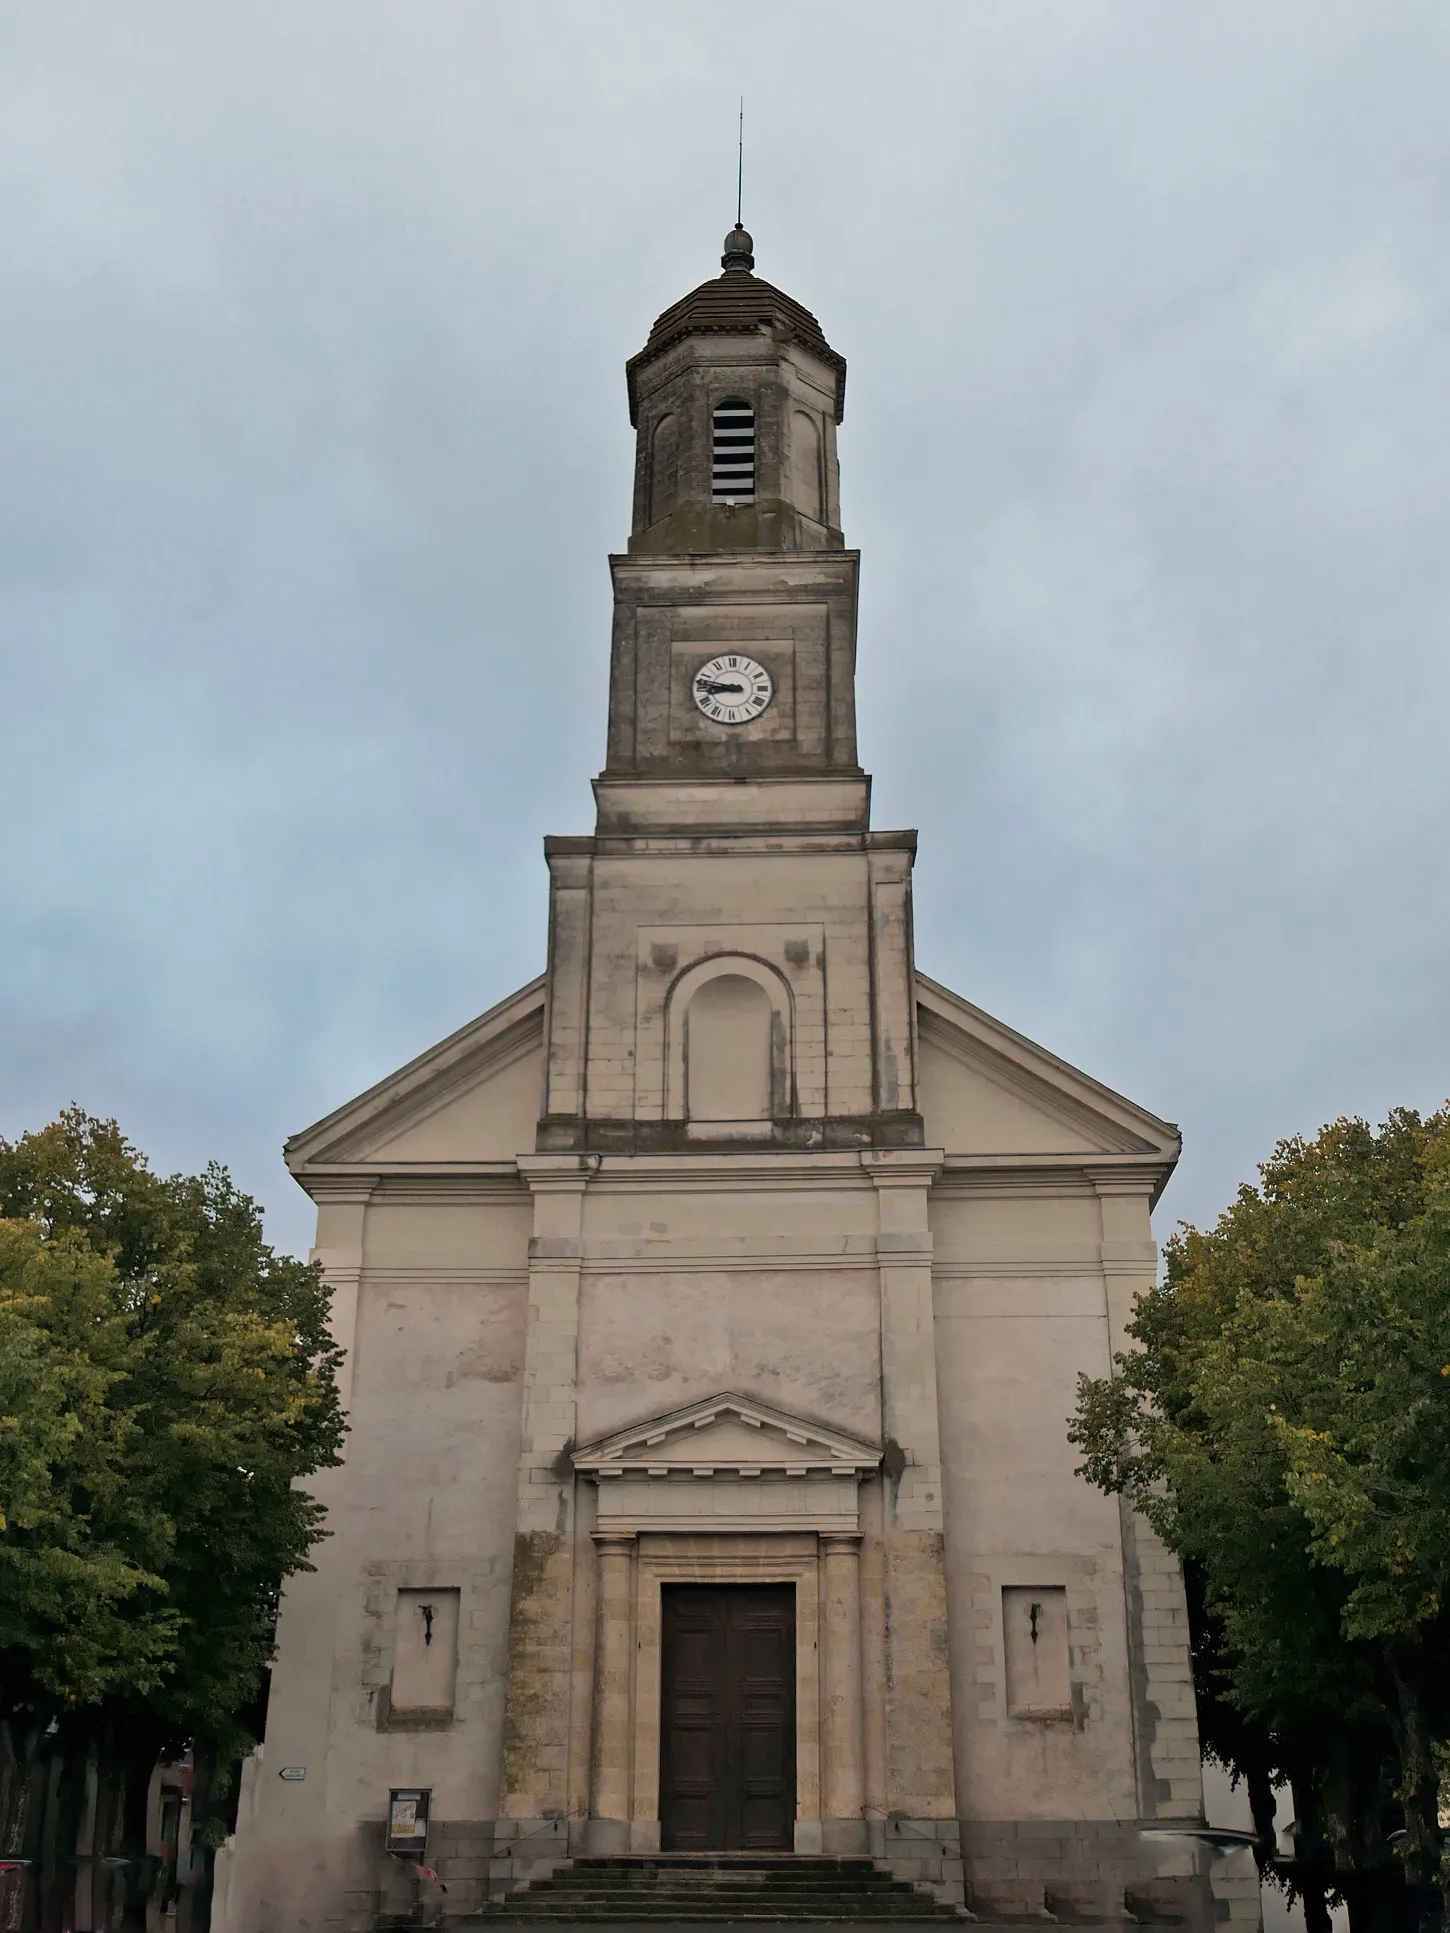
(734, 1250)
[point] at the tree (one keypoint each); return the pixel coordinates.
(171, 1380)
(1285, 1426)
(82, 1609)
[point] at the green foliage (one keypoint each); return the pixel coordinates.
(81, 1603)
(1366, 1437)
(36, 1424)
(170, 1379)
(1285, 1426)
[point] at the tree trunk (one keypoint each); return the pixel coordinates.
(1418, 1789)
(194, 1907)
(10, 1778)
(1263, 1810)
(23, 1821)
(69, 1753)
(109, 1791)
(1313, 1861)
(136, 1739)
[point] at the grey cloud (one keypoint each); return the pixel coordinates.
(313, 412)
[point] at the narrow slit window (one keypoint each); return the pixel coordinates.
(732, 452)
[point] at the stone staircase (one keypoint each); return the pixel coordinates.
(719, 1886)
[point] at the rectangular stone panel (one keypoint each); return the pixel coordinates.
(1034, 1634)
(425, 1651)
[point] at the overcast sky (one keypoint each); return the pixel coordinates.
(313, 441)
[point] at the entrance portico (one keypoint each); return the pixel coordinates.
(729, 1493)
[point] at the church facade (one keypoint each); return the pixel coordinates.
(713, 1308)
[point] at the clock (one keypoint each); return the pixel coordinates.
(732, 690)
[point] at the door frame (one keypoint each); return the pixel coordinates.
(734, 1755)
(781, 1558)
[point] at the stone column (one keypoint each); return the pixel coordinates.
(842, 1770)
(613, 1655)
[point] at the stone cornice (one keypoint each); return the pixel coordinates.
(401, 1181)
(1036, 1174)
(678, 1443)
(902, 1167)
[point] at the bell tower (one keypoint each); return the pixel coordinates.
(735, 399)
(732, 840)
(736, 551)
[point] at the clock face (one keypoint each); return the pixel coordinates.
(732, 690)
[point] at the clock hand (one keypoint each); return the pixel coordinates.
(738, 690)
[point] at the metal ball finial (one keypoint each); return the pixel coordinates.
(739, 250)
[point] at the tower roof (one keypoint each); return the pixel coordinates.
(737, 303)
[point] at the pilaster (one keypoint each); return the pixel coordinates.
(566, 1024)
(1164, 1712)
(920, 1776)
(536, 1724)
(341, 1215)
(893, 1021)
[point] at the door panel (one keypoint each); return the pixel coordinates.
(727, 1733)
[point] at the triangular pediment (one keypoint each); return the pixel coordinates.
(724, 1434)
(985, 1090)
(474, 1098)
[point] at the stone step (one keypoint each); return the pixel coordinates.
(848, 1865)
(725, 1889)
(689, 1888)
(735, 1875)
(750, 1904)
(554, 1897)
(827, 1906)
(630, 1913)
(499, 1918)
(724, 1882)
(796, 1889)
(740, 1869)
(738, 1875)
(705, 1887)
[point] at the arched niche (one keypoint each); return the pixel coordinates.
(664, 466)
(729, 1047)
(807, 493)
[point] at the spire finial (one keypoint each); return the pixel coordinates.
(740, 166)
(739, 251)
(739, 248)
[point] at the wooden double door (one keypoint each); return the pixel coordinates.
(727, 1733)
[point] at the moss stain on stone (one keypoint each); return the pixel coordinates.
(532, 1637)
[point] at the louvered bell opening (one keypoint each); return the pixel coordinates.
(732, 453)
